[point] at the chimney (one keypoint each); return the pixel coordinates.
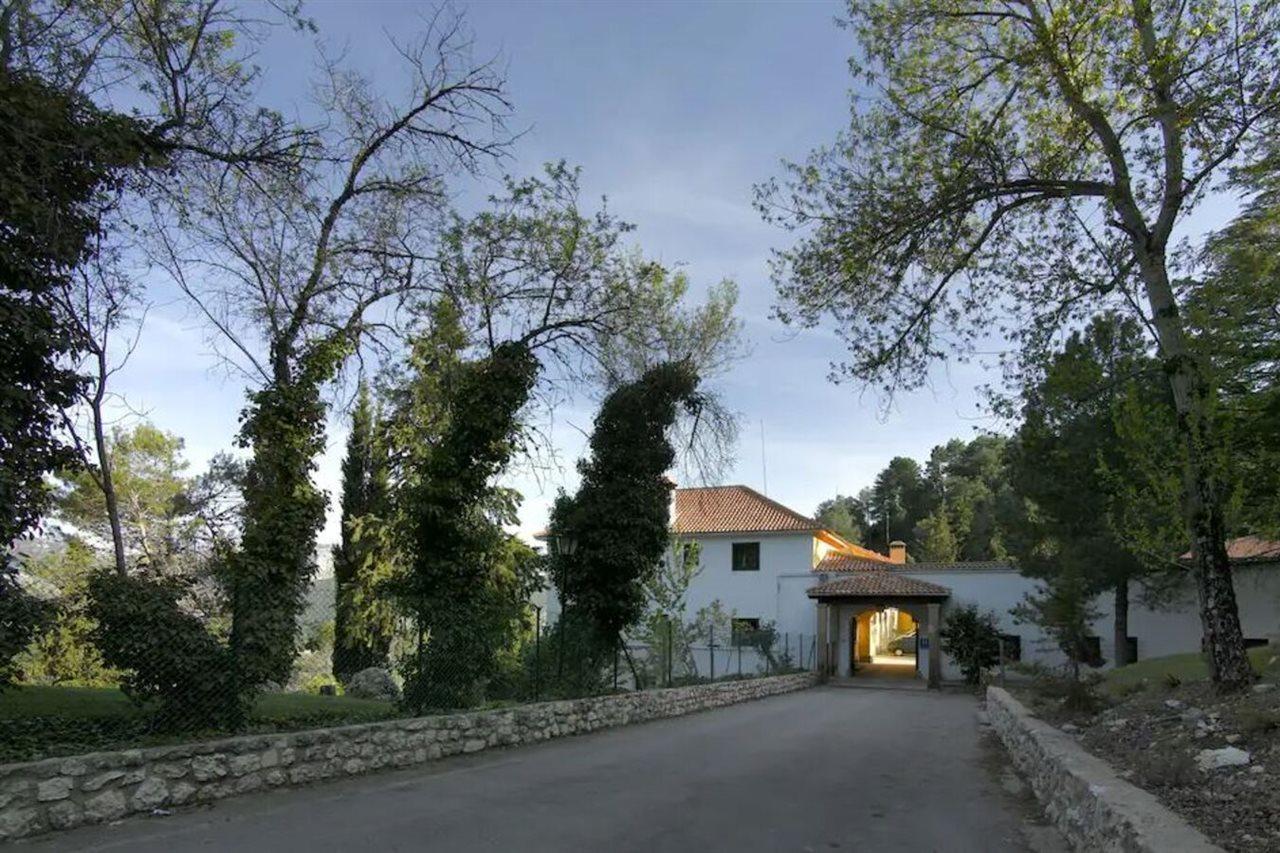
(897, 551)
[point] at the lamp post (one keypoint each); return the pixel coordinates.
(562, 545)
(537, 650)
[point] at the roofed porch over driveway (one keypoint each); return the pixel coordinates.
(840, 600)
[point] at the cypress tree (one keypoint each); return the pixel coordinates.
(363, 621)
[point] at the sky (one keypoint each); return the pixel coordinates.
(674, 111)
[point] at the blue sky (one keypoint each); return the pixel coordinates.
(673, 110)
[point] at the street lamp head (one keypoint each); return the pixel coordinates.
(565, 545)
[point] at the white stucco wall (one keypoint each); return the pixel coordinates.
(777, 593)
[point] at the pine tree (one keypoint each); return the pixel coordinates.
(937, 540)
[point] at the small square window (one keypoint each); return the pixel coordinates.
(743, 629)
(746, 556)
(1011, 645)
(1091, 651)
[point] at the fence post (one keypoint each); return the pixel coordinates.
(739, 656)
(786, 645)
(711, 649)
(616, 644)
(537, 651)
(670, 653)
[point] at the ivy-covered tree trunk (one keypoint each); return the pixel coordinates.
(460, 585)
(619, 520)
(283, 511)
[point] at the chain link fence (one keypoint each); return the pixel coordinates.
(73, 703)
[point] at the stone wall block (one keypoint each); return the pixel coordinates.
(61, 793)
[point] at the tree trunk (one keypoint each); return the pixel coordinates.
(1123, 653)
(1201, 492)
(107, 481)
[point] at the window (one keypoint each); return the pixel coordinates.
(1012, 646)
(743, 629)
(1091, 651)
(746, 556)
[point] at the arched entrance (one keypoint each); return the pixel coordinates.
(847, 608)
(884, 641)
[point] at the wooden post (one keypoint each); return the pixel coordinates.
(935, 649)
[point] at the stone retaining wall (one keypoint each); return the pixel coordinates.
(61, 793)
(1089, 803)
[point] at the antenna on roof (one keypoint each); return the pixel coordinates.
(764, 468)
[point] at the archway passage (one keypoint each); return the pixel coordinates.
(866, 616)
(887, 640)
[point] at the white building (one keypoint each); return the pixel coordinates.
(843, 608)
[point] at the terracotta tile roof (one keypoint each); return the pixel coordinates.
(961, 566)
(846, 563)
(877, 584)
(734, 509)
(1250, 549)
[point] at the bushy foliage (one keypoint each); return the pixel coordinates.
(1063, 608)
(972, 640)
(159, 514)
(268, 577)
(22, 618)
(949, 508)
(61, 160)
(465, 581)
(365, 617)
(64, 652)
(174, 667)
(619, 518)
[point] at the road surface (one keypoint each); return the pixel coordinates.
(824, 769)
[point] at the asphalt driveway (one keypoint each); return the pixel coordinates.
(824, 769)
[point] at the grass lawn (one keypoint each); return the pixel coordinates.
(39, 722)
(1186, 668)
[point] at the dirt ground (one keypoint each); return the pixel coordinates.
(1214, 759)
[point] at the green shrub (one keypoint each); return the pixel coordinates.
(316, 683)
(64, 652)
(972, 640)
(175, 668)
(22, 618)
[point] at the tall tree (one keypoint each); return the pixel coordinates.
(289, 269)
(1031, 162)
(185, 69)
(1065, 460)
(899, 500)
(937, 541)
(844, 515)
(151, 520)
(62, 162)
(619, 518)
(1235, 313)
(364, 619)
(463, 585)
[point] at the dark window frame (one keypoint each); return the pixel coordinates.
(743, 565)
(742, 627)
(1012, 645)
